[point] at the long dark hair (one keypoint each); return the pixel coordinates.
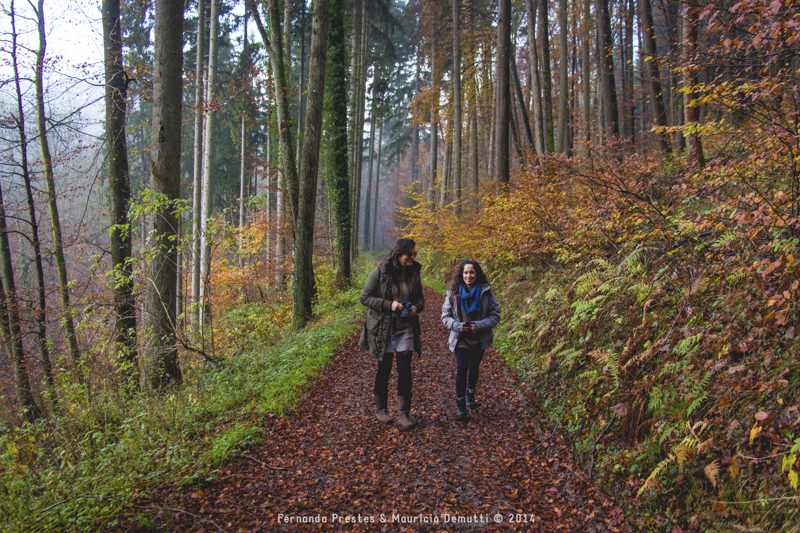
(395, 269)
(458, 275)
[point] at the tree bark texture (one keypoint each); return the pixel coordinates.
(652, 73)
(197, 183)
(547, 76)
(119, 182)
(563, 81)
(503, 88)
(337, 134)
(304, 231)
(606, 67)
(533, 59)
(457, 120)
(694, 146)
(165, 162)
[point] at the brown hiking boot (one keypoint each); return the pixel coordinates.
(404, 406)
(380, 409)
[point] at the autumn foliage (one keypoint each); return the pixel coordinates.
(655, 305)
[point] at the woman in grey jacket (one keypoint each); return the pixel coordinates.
(470, 311)
(391, 330)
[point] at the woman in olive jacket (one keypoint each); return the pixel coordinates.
(391, 330)
(470, 311)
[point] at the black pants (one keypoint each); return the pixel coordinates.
(403, 374)
(468, 364)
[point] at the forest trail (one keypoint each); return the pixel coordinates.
(329, 459)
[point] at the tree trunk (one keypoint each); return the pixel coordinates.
(415, 131)
(209, 154)
(523, 111)
(9, 310)
(377, 183)
(199, 114)
(368, 199)
(628, 88)
(58, 247)
(165, 161)
(337, 134)
(301, 95)
(586, 70)
(694, 146)
(355, 143)
(242, 193)
(457, 122)
(606, 67)
(563, 82)
(274, 44)
(652, 73)
(503, 92)
(304, 230)
(119, 181)
(547, 77)
(533, 59)
(434, 124)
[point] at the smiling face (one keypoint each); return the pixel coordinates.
(469, 275)
(407, 259)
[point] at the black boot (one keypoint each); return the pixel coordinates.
(461, 403)
(404, 406)
(380, 409)
(471, 403)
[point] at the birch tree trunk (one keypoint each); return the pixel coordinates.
(165, 161)
(209, 154)
(199, 114)
(58, 246)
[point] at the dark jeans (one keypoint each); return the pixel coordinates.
(468, 366)
(403, 374)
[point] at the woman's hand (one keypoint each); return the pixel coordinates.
(469, 326)
(413, 312)
(396, 305)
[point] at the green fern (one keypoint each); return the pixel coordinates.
(736, 277)
(587, 282)
(687, 345)
(700, 393)
(728, 238)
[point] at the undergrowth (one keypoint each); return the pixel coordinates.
(82, 471)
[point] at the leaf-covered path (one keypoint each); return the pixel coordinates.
(329, 465)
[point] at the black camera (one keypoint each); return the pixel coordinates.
(406, 308)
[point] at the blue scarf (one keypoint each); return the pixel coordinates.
(470, 300)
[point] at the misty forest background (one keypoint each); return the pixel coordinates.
(628, 171)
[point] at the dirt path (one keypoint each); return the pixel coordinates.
(329, 465)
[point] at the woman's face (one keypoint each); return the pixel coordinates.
(407, 259)
(469, 275)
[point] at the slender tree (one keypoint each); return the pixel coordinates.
(533, 59)
(694, 146)
(304, 232)
(457, 120)
(606, 68)
(165, 163)
(119, 182)
(199, 115)
(652, 73)
(58, 244)
(563, 79)
(503, 88)
(547, 76)
(209, 154)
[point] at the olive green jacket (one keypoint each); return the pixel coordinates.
(377, 296)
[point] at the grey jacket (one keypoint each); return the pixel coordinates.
(377, 295)
(453, 319)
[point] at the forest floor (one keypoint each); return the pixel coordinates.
(329, 465)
